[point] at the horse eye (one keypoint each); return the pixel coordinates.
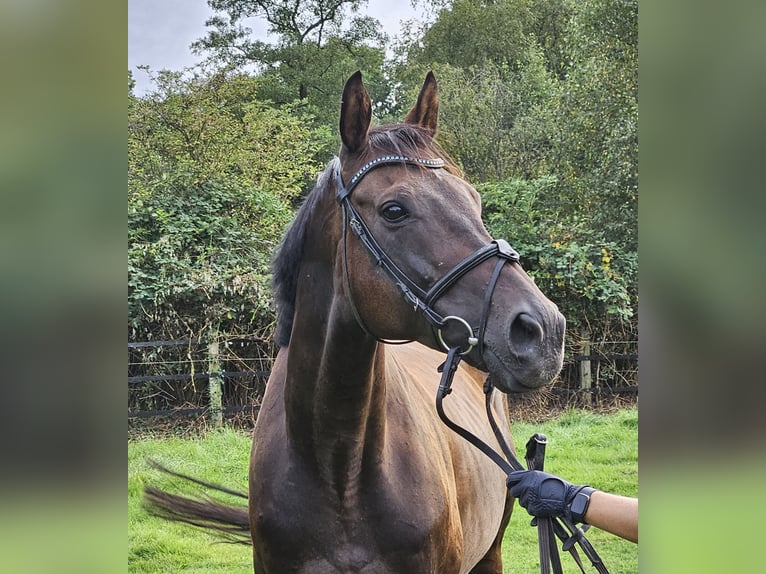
(393, 212)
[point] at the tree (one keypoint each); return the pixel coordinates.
(467, 33)
(496, 118)
(581, 230)
(596, 115)
(213, 178)
(550, 26)
(591, 278)
(317, 48)
(489, 121)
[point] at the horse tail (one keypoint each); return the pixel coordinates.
(232, 521)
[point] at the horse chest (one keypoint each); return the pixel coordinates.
(300, 526)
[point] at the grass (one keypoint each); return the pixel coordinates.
(156, 545)
(583, 447)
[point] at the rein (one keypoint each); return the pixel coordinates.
(423, 301)
(548, 528)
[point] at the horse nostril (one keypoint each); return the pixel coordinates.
(526, 334)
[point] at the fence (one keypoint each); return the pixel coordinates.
(187, 377)
(221, 379)
(599, 375)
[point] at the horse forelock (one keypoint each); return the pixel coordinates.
(287, 259)
(407, 140)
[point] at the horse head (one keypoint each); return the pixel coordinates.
(416, 261)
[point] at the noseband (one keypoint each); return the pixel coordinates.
(421, 300)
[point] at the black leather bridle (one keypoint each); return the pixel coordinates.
(549, 528)
(421, 300)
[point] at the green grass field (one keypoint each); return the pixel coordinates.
(597, 449)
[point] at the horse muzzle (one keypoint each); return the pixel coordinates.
(530, 351)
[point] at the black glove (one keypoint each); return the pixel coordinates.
(544, 494)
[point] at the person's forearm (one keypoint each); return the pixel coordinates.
(615, 514)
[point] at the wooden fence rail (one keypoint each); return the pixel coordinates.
(216, 378)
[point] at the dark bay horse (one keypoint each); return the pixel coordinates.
(351, 470)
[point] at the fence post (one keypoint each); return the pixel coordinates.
(215, 383)
(585, 374)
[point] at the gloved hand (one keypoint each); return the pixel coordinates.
(544, 494)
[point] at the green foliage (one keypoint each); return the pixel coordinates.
(486, 122)
(466, 33)
(314, 74)
(539, 104)
(470, 33)
(318, 47)
(213, 177)
(592, 279)
(595, 145)
(194, 262)
(539, 107)
(550, 27)
(499, 62)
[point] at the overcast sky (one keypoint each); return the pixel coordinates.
(161, 31)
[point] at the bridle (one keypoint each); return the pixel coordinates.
(423, 302)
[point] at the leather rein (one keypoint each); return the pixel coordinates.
(423, 302)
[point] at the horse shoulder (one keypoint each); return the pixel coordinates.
(474, 485)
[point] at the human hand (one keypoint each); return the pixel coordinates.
(544, 494)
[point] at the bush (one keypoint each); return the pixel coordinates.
(214, 175)
(591, 279)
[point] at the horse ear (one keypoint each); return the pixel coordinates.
(425, 112)
(355, 114)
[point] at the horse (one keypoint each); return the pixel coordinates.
(350, 468)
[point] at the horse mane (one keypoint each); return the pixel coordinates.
(288, 256)
(398, 139)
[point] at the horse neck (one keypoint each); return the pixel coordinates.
(335, 384)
